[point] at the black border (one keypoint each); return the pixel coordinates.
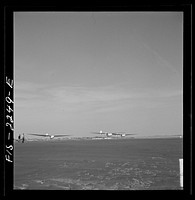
(8, 41)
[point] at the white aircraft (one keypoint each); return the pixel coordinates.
(103, 133)
(48, 135)
(122, 134)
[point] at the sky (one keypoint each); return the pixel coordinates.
(79, 72)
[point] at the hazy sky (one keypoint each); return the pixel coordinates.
(77, 72)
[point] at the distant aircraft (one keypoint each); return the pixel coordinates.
(103, 133)
(48, 135)
(122, 134)
(180, 136)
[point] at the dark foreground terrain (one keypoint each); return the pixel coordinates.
(119, 164)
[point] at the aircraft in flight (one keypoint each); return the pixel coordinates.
(48, 135)
(122, 134)
(103, 133)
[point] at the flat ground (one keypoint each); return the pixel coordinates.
(118, 164)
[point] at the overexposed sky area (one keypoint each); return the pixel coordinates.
(78, 72)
